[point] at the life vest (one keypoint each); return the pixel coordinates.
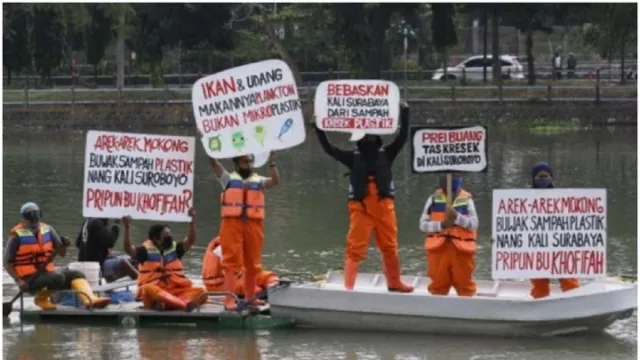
(361, 175)
(463, 239)
(243, 197)
(164, 269)
(212, 275)
(33, 251)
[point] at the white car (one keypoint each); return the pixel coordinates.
(472, 66)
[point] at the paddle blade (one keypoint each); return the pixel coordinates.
(6, 308)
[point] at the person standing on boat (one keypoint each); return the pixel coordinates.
(28, 259)
(95, 243)
(162, 283)
(542, 178)
(213, 276)
(371, 201)
(450, 246)
(242, 226)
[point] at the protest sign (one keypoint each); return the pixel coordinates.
(249, 109)
(549, 233)
(358, 107)
(144, 176)
(449, 149)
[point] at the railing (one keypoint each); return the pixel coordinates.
(586, 72)
(437, 93)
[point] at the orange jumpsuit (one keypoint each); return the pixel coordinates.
(162, 280)
(213, 276)
(242, 233)
(366, 216)
(542, 287)
(450, 252)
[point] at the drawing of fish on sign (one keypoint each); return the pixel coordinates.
(286, 126)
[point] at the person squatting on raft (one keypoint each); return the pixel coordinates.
(450, 245)
(542, 178)
(371, 201)
(162, 283)
(213, 276)
(30, 250)
(95, 243)
(242, 226)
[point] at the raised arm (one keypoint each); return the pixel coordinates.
(128, 248)
(274, 179)
(60, 243)
(343, 156)
(392, 150)
(188, 242)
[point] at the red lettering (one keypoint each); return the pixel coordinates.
(212, 89)
(434, 137)
(111, 143)
(165, 145)
(512, 206)
(142, 202)
(220, 123)
(158, 164)
(465, 136)
(357, 90)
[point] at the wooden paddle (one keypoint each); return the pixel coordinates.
(7, 307)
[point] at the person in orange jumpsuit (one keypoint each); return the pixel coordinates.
(242, 227)
(450, 245)
(542, 175)
(371, 202)
(213, 276)
(28, 259)
(162, 283)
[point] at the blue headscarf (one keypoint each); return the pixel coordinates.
(542, 183)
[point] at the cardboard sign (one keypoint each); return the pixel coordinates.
(358, 107)
(549, 233)
(144, 176)
(449, 149)
(249, 109)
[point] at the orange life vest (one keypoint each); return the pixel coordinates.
(212, 276)
(463, 239)
(163, 269)
(243, 197)
(33, 251)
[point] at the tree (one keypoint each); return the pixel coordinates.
(48, 37)
(15, 38)
(442, 30)
(99, 36)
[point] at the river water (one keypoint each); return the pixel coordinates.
(305, 231)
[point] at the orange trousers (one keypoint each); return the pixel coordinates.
(173, 298)
(542, 287)
(241, 243)
(447, 267)
(367, 216)
(264, 280)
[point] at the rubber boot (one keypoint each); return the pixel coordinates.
(392, 273)
(171, 302)
(229, 285)
(43, 301)
(350, 274)
(84, 289)
(250, 289)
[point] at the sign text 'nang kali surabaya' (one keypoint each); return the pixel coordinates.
(250, 109)
(357, 107)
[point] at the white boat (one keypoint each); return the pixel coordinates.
(500, 308)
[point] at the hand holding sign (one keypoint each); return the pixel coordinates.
(249, 109)
(358, 107)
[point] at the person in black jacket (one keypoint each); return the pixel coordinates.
(95, 242)
(371, 201)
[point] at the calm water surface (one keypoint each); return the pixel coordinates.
(305, 231)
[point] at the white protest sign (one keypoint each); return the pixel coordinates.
(145, 176)
(449, 149)
(549, 233)
(248, 109)
(260, 159)
(358, 107)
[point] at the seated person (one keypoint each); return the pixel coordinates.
(95, 243)
(29, 261)
(213, 276)
(162, 283)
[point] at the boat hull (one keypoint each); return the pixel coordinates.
(500, 309)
